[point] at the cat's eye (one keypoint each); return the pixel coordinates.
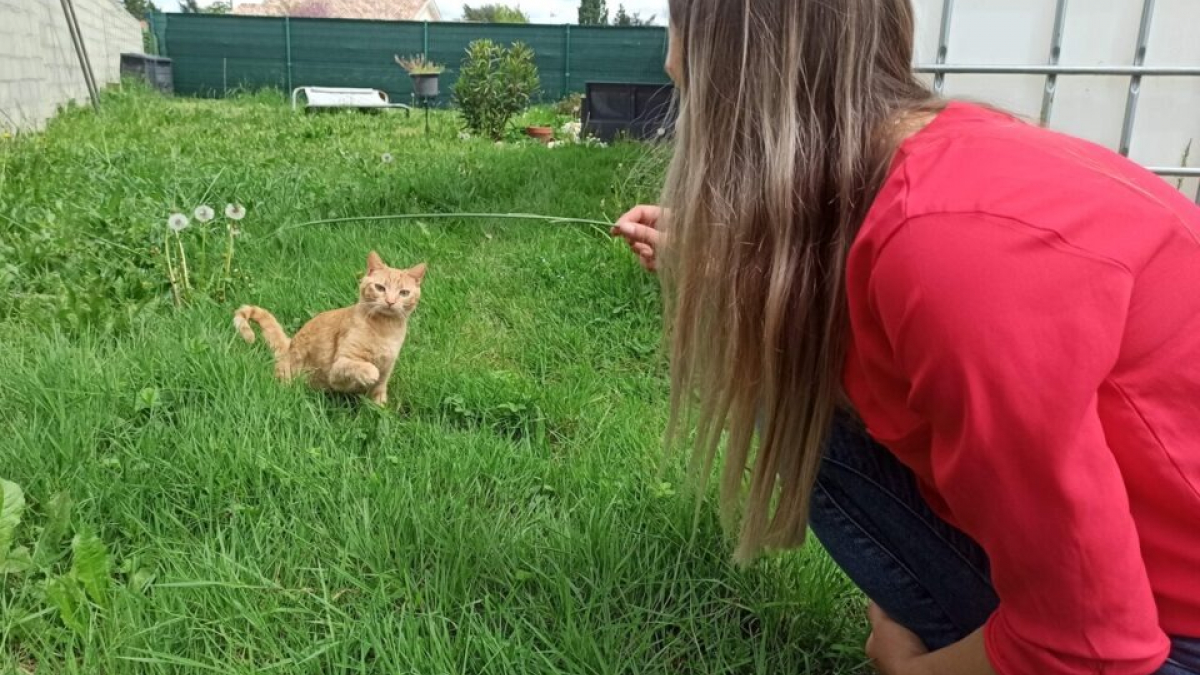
(405, 293)
(380, 288)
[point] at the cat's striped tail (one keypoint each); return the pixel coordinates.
(271, 330)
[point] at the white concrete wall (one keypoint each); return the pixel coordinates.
(1098, 32)
(38, 68)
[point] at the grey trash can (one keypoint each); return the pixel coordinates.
(155, 70)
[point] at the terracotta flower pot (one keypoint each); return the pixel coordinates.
(543, 134)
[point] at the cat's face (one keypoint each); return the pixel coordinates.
(386, 291)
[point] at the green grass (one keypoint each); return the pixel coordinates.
(510, 511)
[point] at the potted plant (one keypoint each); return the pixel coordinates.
(543, 134)
(540, 125)
(424, 74)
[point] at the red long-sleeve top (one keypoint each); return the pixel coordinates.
(1025, 312)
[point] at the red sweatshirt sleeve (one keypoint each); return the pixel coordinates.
(1005, 334)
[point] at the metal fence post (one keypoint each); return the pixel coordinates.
(1135, 82)
(939, 79)
(287, 36)
(567, 62)
(1056, 40)
(425, 38)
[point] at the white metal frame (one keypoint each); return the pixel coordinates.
(344, 97)
(1053, 69)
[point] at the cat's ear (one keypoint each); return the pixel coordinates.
(418, 273)
(374, 263)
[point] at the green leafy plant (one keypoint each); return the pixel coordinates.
(12, 505)
(75, 592)
(495, 83)
(419, 64)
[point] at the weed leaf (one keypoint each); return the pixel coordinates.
(91, 566)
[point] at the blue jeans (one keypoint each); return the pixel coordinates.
(927, 575)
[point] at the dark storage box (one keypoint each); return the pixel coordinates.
(155, 70)
(637, 111)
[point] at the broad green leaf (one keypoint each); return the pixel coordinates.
(18, 562)
(141, 580)
(148, 399)
(58, 520)
(64, 594)
(12, 504)
(91, 567)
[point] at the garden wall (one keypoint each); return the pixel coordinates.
(39, 70)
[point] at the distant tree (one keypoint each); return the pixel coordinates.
(623, 18)
(310, 9)
(593, 12)
(141, 9)
(494, 13)
(194, 7)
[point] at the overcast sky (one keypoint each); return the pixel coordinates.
(539, 11)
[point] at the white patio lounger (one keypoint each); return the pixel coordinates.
(343, 97)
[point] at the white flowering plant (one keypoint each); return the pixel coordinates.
(207, 271)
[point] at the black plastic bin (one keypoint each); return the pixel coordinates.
(155, 70)
(638, 111)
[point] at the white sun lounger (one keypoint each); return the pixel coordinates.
(342, 97)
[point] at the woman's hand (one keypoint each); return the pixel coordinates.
(893, 649)
(637, 228)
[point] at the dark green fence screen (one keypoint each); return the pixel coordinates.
(214, 55)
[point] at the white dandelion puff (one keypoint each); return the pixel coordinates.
(235, 211)
(178, 222)
(387, 158)
(204, 213)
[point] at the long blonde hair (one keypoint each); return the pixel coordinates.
(785, 131)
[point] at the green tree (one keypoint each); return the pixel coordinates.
(494, 13)
(194, 7)
(593, 12)
(623, 18)
(494, 84)
(141, 9)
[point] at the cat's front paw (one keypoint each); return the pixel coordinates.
(367, 375)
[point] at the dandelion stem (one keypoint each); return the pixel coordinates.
(171, 269)
(228, 260)
(183, 266)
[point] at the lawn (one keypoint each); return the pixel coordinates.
(511, 510)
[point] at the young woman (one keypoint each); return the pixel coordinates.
(966, 350)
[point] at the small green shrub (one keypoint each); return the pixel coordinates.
(495, 84)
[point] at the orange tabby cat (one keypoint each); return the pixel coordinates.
(350, 350)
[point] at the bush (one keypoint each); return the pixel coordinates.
(494, 85)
